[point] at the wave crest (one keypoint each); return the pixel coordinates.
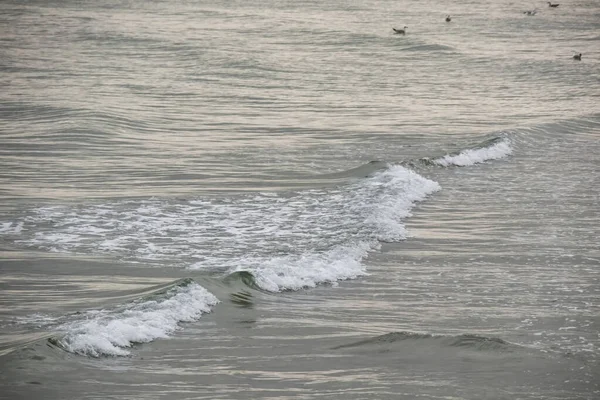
(496, 150)
(470, 341)
(111, 332)
(372, 211)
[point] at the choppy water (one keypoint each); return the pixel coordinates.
(287, 200)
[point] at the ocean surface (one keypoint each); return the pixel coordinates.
(287, 200)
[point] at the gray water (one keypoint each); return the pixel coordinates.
(244, 200)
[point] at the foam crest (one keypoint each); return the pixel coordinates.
(309, 270)
(496, 151)
(389, 197)
(11, 227)
(112, 332)
(379, 204)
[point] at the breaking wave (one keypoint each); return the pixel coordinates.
(498, 148)
(286, 240)
(111, 332)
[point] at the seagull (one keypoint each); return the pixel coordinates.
(400, 31)
(577, 57)
(532, 12)
(448, 19)
(553, 5)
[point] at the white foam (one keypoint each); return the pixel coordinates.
(288, 240)
(38, 320)
(309, 270)
(399, 189)
(475, 156)
(380, 203)
(11, 227)
(112, 332)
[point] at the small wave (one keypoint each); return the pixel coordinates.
(498, 148)
(477, 342)
(245, 277)
(387, 338)
(470, 341)
(152, 317)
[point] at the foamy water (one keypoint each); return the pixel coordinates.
(112, 332)
(325, 233)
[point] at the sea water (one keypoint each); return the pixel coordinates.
(243, 200)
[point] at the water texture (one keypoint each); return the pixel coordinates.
(251, 200)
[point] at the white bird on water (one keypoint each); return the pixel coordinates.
(400, 31)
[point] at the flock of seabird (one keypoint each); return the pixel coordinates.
(529, 12)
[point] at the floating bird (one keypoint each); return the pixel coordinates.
(400, 31)
(577, 57)
(448, 19)
(553, 5)
(532, 12)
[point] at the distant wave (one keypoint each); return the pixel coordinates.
(470, 341)
(498, 148)
(111, 332)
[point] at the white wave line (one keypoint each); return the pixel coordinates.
(476, 156)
